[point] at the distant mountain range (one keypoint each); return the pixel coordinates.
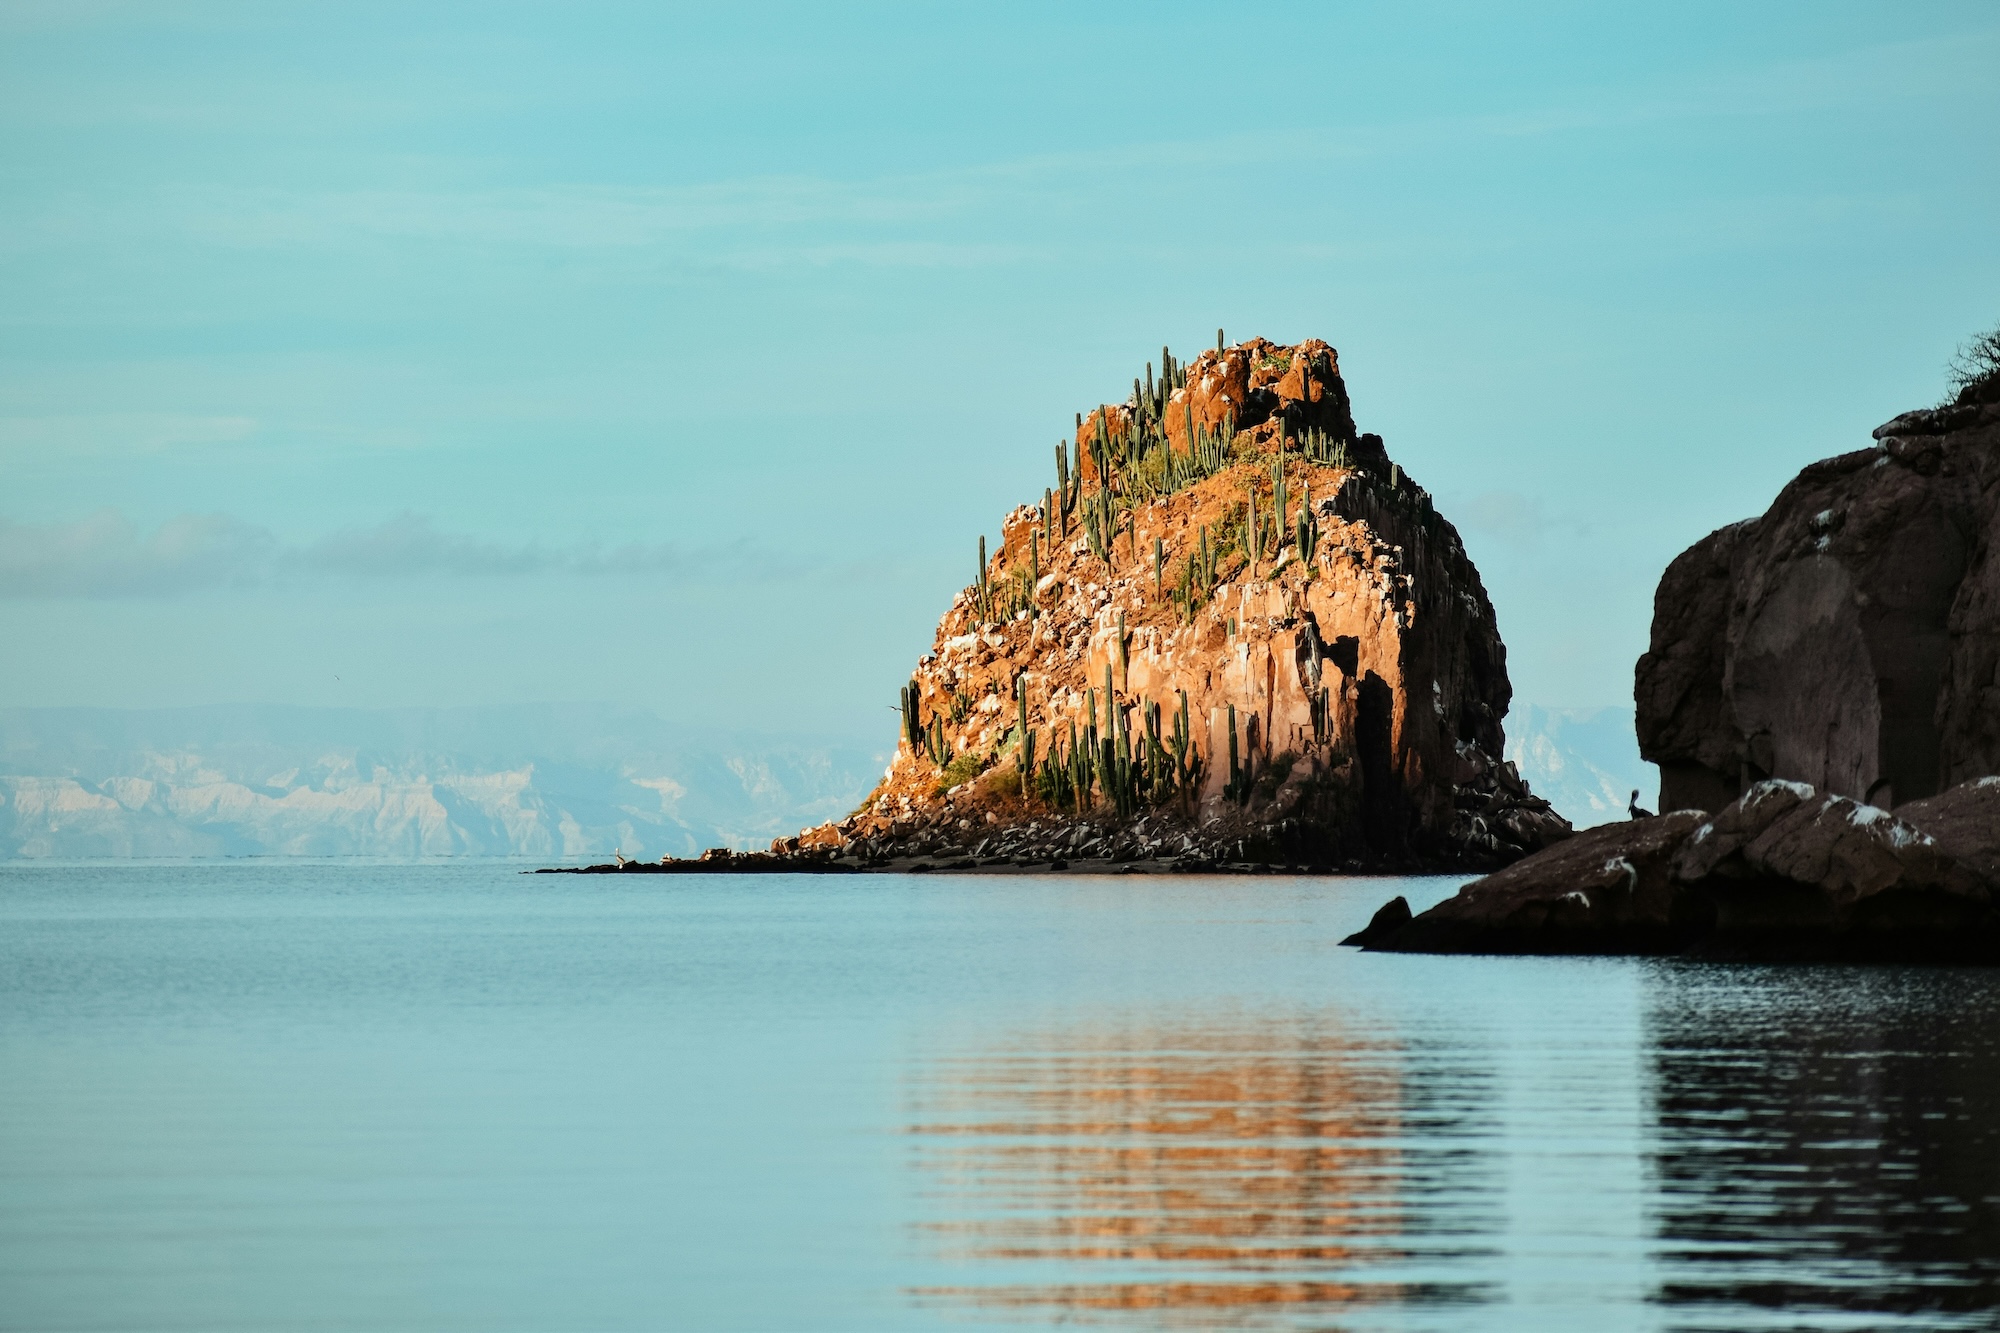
(1584, 761)
(544, 782)
(548, 782)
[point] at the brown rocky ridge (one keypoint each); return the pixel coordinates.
(1822, 695)
(1234, 634)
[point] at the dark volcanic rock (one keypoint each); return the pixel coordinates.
(1850, 637)
(1390, 917)
(1966, 823)
(1784, 871)
(1603, 890)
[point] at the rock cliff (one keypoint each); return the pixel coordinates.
(1233, 631)
(1850, 637)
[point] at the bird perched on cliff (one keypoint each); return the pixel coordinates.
(1633, 808)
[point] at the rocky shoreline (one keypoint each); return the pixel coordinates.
(1144, 847)
(1785, 872)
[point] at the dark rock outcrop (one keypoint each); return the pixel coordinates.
(1784, 871)
(1850, 637)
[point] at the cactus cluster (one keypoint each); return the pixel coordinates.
(1133, 463)
(1238, 787)
(930, 740)
(1322, 449)
(1305, 532)
(1104, 761)
(1197, 576)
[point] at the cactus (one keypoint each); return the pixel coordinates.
(1236, 783)
(1250, 529)
(913, 727)
(1218, 343)
(985, 592)
(1278, 500)
(1159, 568)
(1024, 760)
(1124, 662)
(1187, 759)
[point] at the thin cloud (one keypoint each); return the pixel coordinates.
(107, 555)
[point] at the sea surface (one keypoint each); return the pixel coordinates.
(266, 1096)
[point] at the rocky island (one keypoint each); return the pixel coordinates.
(1822, 694)
(1233, 634)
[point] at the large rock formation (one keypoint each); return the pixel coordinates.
(1168, 659)
(1849, 638)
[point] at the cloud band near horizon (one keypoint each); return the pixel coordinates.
(107, 555)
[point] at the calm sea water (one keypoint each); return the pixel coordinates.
(260, 1096)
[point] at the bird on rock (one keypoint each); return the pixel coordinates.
(1633, 808)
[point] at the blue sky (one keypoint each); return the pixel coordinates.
(424, 354)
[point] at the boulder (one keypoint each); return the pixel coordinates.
(1965, 822)
(1389, 918)
(1849, 638)
(1602, 890)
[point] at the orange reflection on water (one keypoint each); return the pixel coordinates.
(1163, 1166)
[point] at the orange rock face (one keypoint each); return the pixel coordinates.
(1357, 675)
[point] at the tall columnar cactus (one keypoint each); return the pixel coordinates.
(1024, 759)
(1159, 568)
(1251, 544)
(1124, 662)
(1307, 533)
(985, 594)
(913, 727)
(1218, 344)
(1236, 783)
(1278, 500)
(1187, 758)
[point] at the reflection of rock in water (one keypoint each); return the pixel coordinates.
(1830, 1141)
(1265, 1166)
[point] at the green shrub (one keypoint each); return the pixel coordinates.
(963, 768)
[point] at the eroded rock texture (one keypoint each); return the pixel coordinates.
(1850, 637)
